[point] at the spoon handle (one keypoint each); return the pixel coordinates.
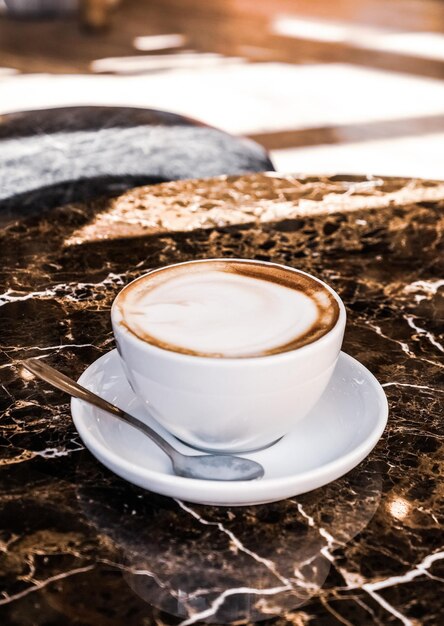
(64, 383)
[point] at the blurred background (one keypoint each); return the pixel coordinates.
(350, 86)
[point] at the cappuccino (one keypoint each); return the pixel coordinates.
(227, 309)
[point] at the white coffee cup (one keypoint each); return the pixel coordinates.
(225, 403)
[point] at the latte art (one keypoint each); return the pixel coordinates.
(231, 309)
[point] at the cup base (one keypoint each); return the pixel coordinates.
(227, 451)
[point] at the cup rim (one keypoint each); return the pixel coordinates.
(229, 361)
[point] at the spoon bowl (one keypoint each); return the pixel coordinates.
(217, 467)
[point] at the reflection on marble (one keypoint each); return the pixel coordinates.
(256, 573)
(80, 546)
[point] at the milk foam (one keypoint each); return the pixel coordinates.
(213, 312)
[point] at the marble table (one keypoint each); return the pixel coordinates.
(79, 546)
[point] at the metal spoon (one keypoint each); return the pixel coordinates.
(205, 467)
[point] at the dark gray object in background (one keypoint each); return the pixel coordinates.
(54, 156)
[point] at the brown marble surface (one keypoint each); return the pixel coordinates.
(79, 546)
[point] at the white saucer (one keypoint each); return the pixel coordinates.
(338, 434)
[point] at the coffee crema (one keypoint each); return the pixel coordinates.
(227, 309)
